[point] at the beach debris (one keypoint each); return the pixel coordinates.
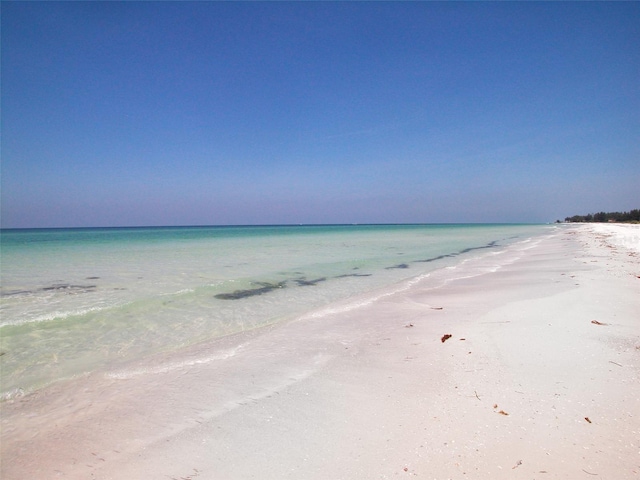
(518, 463)
(463, 339)
(477, 396)
(445, 338)
(596, 322)
(587, 419)
(615, 363)
(406, 469)
(495, 405)
(409, 325)
(502, 412)
(589, 473)
(440, 308)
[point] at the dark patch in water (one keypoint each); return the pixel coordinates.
(251, 292)
(488, 245)
(62, 287)
(16, 292)
(465, 250)
(307, 283)
(402, 265)
(439, 257)
(92, 278)
(70, 288)
(354, 275)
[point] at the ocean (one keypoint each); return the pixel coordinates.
(86, 300)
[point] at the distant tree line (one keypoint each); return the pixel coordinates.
(630, 217)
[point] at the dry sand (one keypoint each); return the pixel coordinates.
(526, 387)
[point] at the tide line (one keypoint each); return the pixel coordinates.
(128, 374)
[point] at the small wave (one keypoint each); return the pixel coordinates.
(12, 394)
(473, 274)
(406, 285)
(48, 317)
(184, 291)
(128, 374)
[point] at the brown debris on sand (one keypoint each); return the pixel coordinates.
(595, 322)
(445, 338)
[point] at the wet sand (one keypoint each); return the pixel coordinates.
(538, 379)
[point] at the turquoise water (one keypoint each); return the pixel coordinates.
(80, 300)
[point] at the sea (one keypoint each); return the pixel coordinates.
(83, 300)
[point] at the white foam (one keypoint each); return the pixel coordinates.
(12, 394)
(179, 292)
(127, 374)
(471, 267)
(406, 285)
(53, 316)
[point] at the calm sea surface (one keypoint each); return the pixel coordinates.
(79, 300)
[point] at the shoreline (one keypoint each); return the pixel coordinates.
(374, 391)
(128, 302)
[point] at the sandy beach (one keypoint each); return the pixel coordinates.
(523, 364)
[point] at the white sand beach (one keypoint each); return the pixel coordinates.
(539, 379)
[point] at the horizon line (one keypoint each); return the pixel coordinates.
(277, 225)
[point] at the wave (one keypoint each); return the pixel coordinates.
(463, 266)
(127, 374)
(53, 316)
(406, 285)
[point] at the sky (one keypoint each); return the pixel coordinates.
(221, 113)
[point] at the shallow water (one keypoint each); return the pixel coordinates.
(80, 300)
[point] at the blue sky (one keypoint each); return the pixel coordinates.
(180, 113)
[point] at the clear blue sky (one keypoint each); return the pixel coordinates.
(180, 113)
